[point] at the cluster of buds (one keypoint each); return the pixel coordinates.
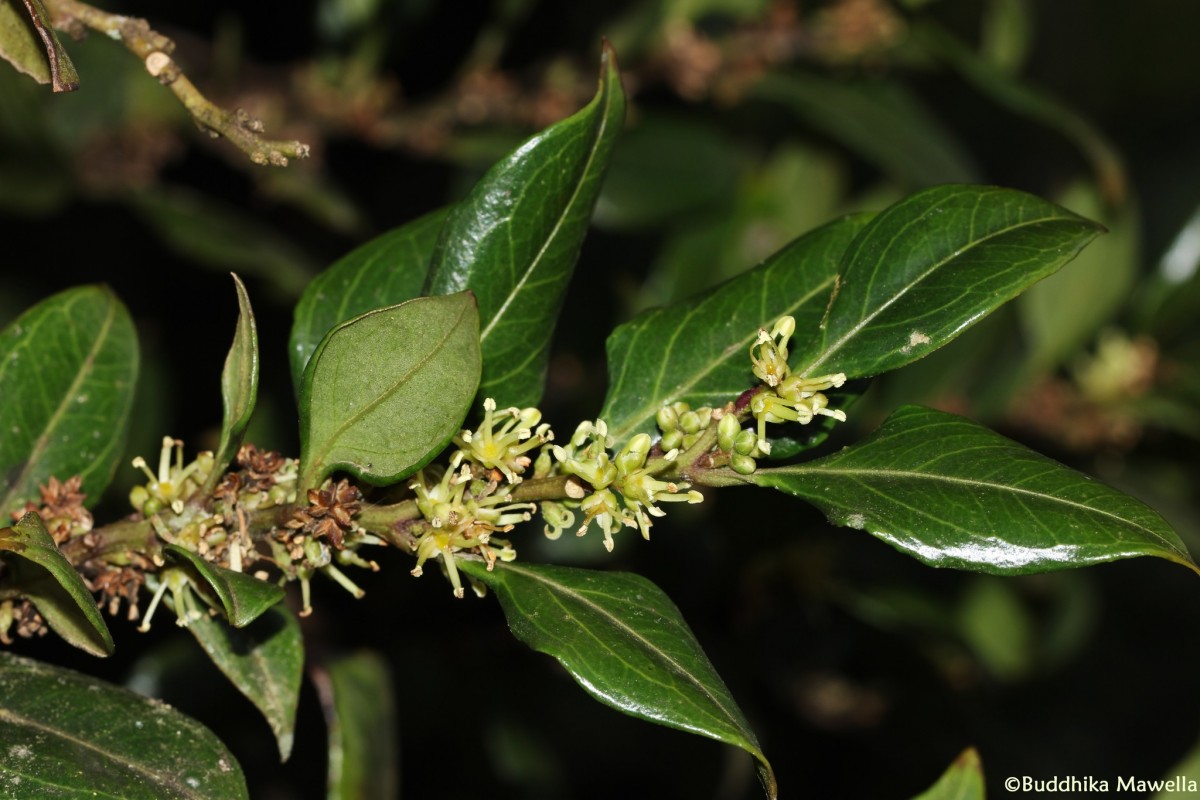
(786, 397)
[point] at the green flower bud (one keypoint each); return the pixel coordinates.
(745, 442)
(152, 506)
(690, 422)
(727, 431)
(667, 419)
(743, 464)
(672, 439)
(138, 497)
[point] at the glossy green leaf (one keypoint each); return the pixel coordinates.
(67, 736)
(356, 695)
(239, 385)
(67, 371)
(963, 780)
(243, 597)
(880, 120)
(625, 643)
(952, 493)
(264, 660)
(38, 571)
(932, 265)
(29, 43)
(698, 351)
(515, 238)
(1061, 314)
(385, 271)
(385, 392)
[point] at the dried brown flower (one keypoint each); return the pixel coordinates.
(330, 513)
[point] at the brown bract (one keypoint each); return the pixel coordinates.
(330, 513)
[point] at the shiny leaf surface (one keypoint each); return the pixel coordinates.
(264, 660)
(37, 571)
(952, 493)
(243, 597)
(72, 360)
(625, 643)
(932, 265)
(515, 239)
(385, 391)
(387, 270)
(67, 736)
(698, 351)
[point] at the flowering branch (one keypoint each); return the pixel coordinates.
(155, 51)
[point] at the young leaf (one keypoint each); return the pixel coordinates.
(932, 265)
(385, 271)
(244, 597)
(625, 643)
(514, 240)
(239, 385)
(384, 392)
(952, 493)
(42, 574)
(962, 780)
(64, 734)
(698, 351)
(264, 660)
(356, 695)
(72, 359)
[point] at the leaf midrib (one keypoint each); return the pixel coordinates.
(593, 148)
(621, 625)
(159, 778)
(972, 482)
(84, 371)
(319, 459)
(857, 327)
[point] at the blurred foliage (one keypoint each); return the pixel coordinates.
(751, 122)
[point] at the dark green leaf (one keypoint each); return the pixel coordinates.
(67, 371)
(625, 643)
(699, 351)
(932, 265)
(963, 780)
(954, 494)
(264, 660)
(384, 392)
(881, 120)
(29, 43)
(356, 694)
(67, 736)
(239, 385)
(42, 574)
(514, 240)
(385, 271)
(243, 597)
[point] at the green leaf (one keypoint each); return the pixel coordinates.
(38, 571)
(239, 386)
(963, 780)
(1061, 314)
(29, 43)
(625, 643)
(931, 266)
(385, 271)
(384, 392)
(514, 240)
(699, 351)
(264, 660)
(69, 363)
(243, 597)
(67, 735)
(952, 493)
(880, 120)
(356, 695)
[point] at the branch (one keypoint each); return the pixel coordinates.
(155, 51)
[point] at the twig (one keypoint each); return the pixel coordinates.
(155, 51)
